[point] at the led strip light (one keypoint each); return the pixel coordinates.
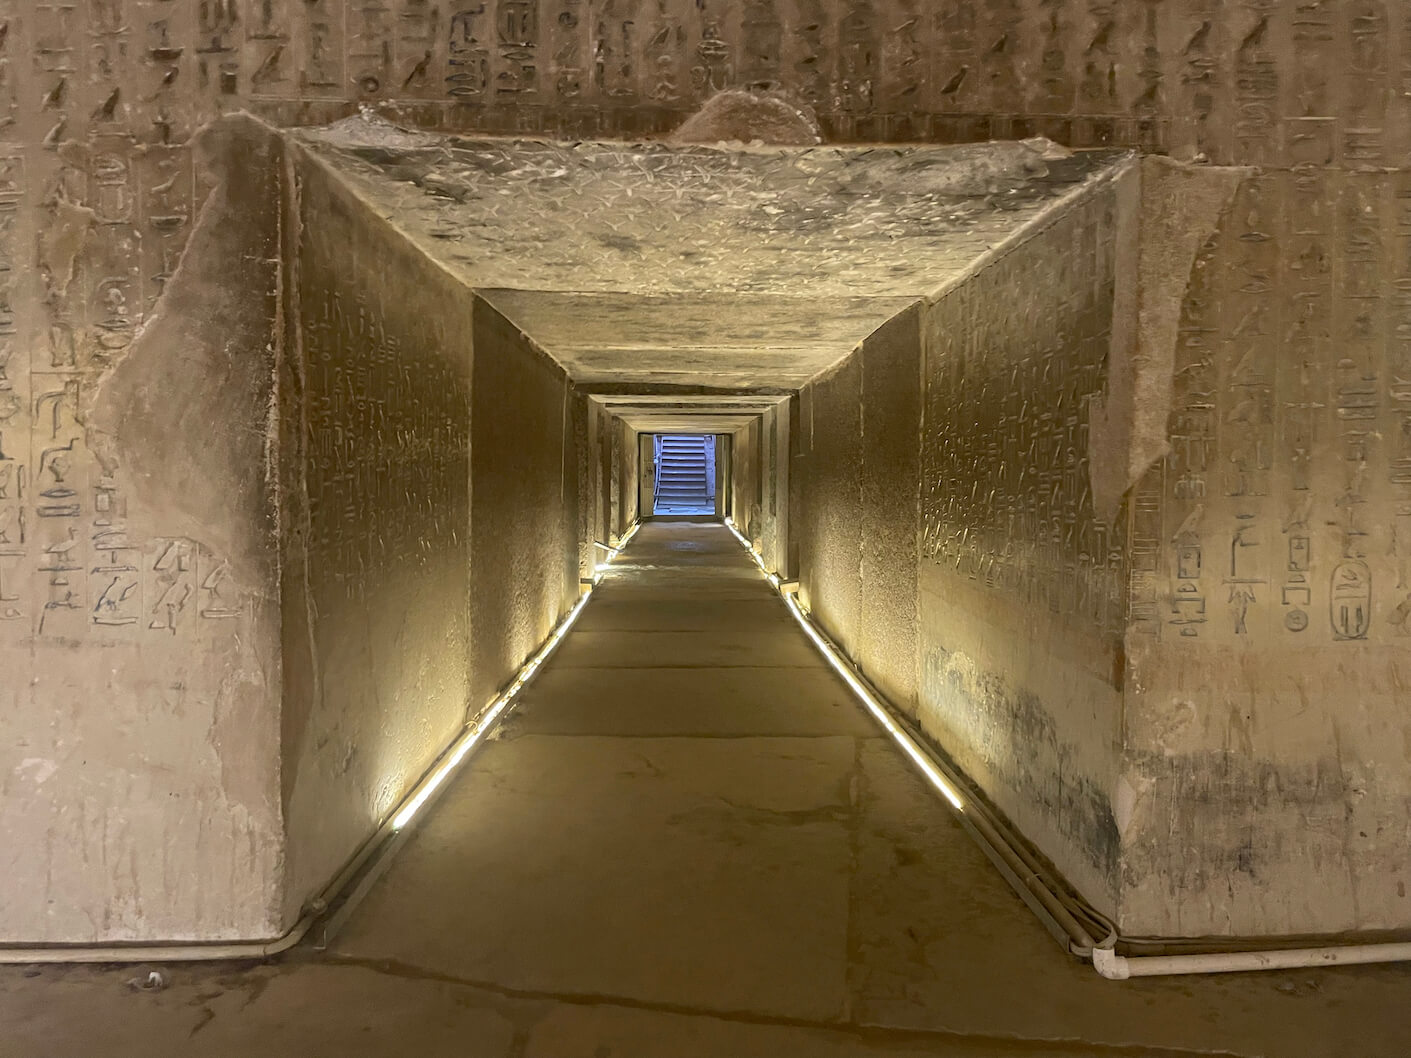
(879, 712)
(487, 720)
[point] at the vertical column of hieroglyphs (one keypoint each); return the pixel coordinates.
(1001, 39)
(1360, 590)
(1101, 66)
(1399, 394)
(903, 68)
(1358, 348)
(616, 30)
(666, 68)
(1398, 381)
(856, 70)
(420, 37)
(1301, 394)
(1052, 88)
(517, 52)
(14, 365)
(566, 46)
(107, 297)
(1149, 104)
(319, 43)
(1187, 470)
(57, 465)
(1257, 80)
(268, 56)
(97, 199)
(370, 43)
(1197, 42)
(190, 65)
(1310, 114)
(714, 58)
(1251, 325)
(954, 72)
(803, 65)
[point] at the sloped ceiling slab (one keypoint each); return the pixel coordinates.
(745, 268)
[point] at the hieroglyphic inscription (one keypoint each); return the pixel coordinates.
(1398, 440)
(420, 50)
(1289, 434)
(1261, 81)
(14, 404)
(321, 55)
(714, 59)
(1005, 494)
(567, 46)
(387, 450)
(100, 99)
(371, 46)
(467, 53)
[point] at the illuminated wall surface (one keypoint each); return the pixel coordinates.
(1196, 706)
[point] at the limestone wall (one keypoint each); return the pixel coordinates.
(625, 448)
(856, 458)
(126, 380)
(524, 502)
(948, 540)
(1267, 730)
(377, 580)
(598, 482)
(139, 567)
(1022, 607)
(775, 446)
(829, 515)
(744, 477)
(1160, 600)
(1257, 81)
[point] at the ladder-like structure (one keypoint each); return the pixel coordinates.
(684, 475)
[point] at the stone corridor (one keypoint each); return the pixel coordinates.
(690, 840)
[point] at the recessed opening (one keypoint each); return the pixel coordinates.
(683, 469)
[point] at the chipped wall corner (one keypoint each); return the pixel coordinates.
(1166, 211)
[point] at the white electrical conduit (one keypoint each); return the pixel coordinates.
(1120, 967)
(410, 805)
(1026, 877)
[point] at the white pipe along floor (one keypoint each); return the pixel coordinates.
(689, 839)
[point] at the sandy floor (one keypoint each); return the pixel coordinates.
(689, 841)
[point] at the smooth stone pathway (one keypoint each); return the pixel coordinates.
(689, 841)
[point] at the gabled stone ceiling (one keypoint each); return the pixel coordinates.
(701, 266)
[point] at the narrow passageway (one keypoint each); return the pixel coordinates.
(689, 841)
(667, 817)
(690, 815)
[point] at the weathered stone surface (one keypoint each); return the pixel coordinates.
(744, 116)
(1268, 737)
(139, 619)
(1190, 707)
(1285, 432)
(640, 868)
(524, 480)
(1169, 210)
(377, 576)
(830, 517)
(620, 259)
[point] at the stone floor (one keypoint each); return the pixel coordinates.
(689, 841)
